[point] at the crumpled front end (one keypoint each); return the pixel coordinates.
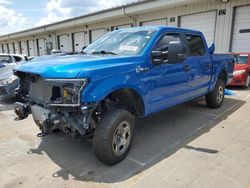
(55, 104)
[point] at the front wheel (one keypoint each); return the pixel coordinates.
(113, 137)
(215, 98)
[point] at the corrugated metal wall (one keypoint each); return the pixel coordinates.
(172, 15)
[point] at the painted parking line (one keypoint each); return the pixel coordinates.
(136, 161)
(204, 113)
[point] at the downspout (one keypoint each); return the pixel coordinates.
(128, 16)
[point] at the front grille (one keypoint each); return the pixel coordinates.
(35, 88)
(39, 91)
(51, 92)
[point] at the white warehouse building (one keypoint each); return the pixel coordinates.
(224, 22)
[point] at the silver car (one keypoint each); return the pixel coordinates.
(8, 81)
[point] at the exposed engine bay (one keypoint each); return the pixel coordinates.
(55, 104)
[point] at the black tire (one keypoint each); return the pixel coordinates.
(247, 82)
(107, 131)
(215, 98)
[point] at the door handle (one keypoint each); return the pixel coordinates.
(186, 68)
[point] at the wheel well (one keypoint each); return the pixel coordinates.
(223, 76)
(129, 100)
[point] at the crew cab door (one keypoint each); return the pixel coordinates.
(169, 78)
(199, 61)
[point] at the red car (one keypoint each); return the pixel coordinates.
(241, 75)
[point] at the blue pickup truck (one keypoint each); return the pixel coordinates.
(125, 74)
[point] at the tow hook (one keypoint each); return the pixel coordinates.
(44, 127)
(21, 110)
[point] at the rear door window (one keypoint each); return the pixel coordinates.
(196, 45)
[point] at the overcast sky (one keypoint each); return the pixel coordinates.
(16, 15)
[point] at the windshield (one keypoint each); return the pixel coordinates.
(121, 42)
(241, 59)
(5, 59)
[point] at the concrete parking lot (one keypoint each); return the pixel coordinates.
(185, 146)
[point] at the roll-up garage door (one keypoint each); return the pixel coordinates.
(24, 48)
(5, 48)
(121, 27)
(204, 22)
(16, 48)
(79, 39)
(11, 48)
(64, 43)
(96, 33)
(31, 47)
(41, 46)
(241, 31)
(160, 22)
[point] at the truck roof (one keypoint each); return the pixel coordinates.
(161, 28)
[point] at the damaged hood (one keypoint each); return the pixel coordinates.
(72, 66)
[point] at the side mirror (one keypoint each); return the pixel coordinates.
(175, 52)
(156, 57)
(211, 49)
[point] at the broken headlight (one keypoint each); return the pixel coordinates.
(66, 92)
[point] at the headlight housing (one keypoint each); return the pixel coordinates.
(66, 92)
(238, 72)
(8, 81)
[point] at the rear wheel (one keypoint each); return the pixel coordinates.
(113, 137)
(215, 98)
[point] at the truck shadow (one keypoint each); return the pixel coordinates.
(157, 137)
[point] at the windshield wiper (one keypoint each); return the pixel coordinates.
(104, 52)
